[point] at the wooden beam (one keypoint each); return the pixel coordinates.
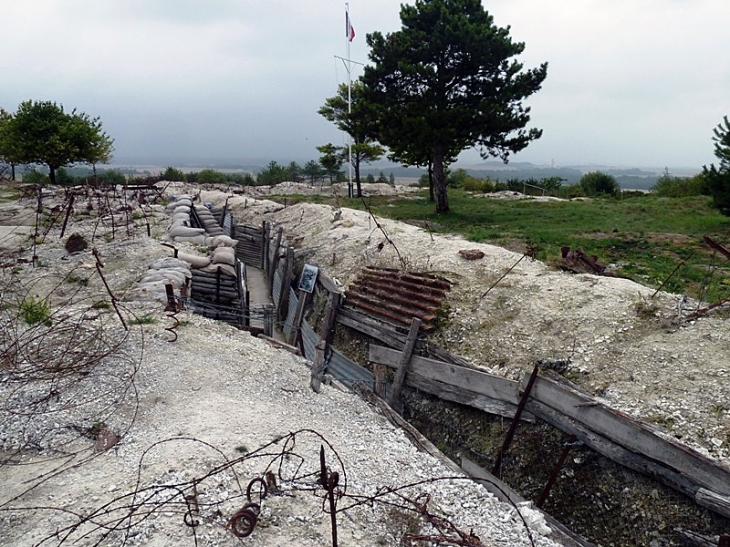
(400, 373)
(282, 306)
(298, 317)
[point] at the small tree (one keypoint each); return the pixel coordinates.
(331, 160)
(43, 133)
(597, 183)
(356, 118)
(313, 170)
(448, 81)
(718, 178)
(272, 174)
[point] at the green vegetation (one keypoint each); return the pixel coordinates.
(644, 237)
(144, 320)
(41, 132)
(446, 81)
(678, 187)
(598, 184)
(350, 113)
(36, 310)
(718, 178)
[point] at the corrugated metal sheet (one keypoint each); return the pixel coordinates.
(396, 296)
(293, 301)
(249, 245)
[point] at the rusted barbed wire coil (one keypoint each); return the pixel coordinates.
(244, 521)
(262, 492)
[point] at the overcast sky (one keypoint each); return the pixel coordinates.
(630, 82)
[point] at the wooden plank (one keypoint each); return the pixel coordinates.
(714, 502)
(614, 451)
(405, 357)
(634, 435)
(274, 262)
(327, 282)
(279, 344)
(560, 533)
(494, 387)
(330, 314)
(462, 396)
(298, 316)
(362, 323)
(315, 380)
(282, 306)
(380, 383)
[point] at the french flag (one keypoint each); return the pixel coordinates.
(349, 31)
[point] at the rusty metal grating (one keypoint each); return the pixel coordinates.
(396, 296)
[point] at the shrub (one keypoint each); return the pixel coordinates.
(677, 187)
(597, 183)
(36, 311)
(35, 177)
(210, 176)
(173, 174)
(111, 178)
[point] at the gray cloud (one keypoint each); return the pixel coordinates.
(639, 82)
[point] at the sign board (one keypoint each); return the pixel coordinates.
(308, 278)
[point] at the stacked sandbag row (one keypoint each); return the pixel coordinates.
(208, 221)
(218, 282)
(181, 227)
(164, 271)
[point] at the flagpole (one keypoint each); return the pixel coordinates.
(350, 192)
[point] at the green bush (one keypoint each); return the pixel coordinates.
(597, 184)
(35, 177)
(173, 174)
(678, 187)
(36, 311)
(111, 178)
(210, 176)
(473, 184)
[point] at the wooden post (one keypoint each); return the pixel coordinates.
(400, 373)
(315, 381)
(379, 373)
(513, 426)
(275, 259)
(282, 306)
(298, 317)
(265, 232)
(330, 314)
(268, 320)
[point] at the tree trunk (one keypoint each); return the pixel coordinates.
(12, 171)
(52, 174)
(356, 165)
(430, 181)
(439, 179)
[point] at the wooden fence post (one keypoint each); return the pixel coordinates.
(283, 305)
(274, 263)
(400, 373)
(315, 381)
(330, 314)
(265, 234)
(379, 373)
(298, 317)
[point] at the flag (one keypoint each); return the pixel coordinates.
(349, 30)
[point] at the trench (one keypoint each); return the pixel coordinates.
(604, 502)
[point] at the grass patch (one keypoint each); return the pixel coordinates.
(36, 311)
(144, 320)
(644, 237)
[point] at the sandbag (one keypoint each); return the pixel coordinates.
(196, 240)
(185, 231)
(226, 269)
(169, 262)
(221, 241)
(195, 261)
(224, 255)
(181, 209)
